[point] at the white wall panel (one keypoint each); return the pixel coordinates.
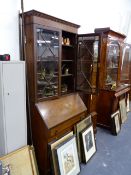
(89, 14)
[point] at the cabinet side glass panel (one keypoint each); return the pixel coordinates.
(125, 65)
(87, 63)
(112, 63)
(47, 63)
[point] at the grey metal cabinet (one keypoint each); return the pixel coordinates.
(13, 124)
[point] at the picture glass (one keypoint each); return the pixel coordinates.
(68, 159)
(68, 163)
(88, 143)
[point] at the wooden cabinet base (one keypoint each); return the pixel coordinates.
(108, 103)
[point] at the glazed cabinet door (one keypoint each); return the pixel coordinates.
(87, 63)
(47, 62)
(112, 64)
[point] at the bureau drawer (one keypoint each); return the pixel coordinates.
(65, 126)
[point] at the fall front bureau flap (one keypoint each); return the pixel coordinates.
(55, 112)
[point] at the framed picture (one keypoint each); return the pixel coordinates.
(20, 161)
(115, 123)
(78, 128)
(88, 143)
(67, 157)
(123, 110)
(52, 145)
(128, 105)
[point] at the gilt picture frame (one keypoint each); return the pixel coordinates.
(88, 144)
(67, 157)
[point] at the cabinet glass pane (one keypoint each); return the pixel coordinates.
(113, 57)
(47, 63)
(87, 63)
(125, 65)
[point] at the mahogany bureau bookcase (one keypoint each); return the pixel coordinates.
(51, 58)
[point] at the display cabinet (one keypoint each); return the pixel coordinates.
(55, 107)
(113, 75)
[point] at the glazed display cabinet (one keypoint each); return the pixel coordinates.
(103, 72)
(114, 74)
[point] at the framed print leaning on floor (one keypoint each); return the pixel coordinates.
(123, 110)
(80, 126)
(88, 143)
(68, 163)
(115, 123)
(52, 145)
